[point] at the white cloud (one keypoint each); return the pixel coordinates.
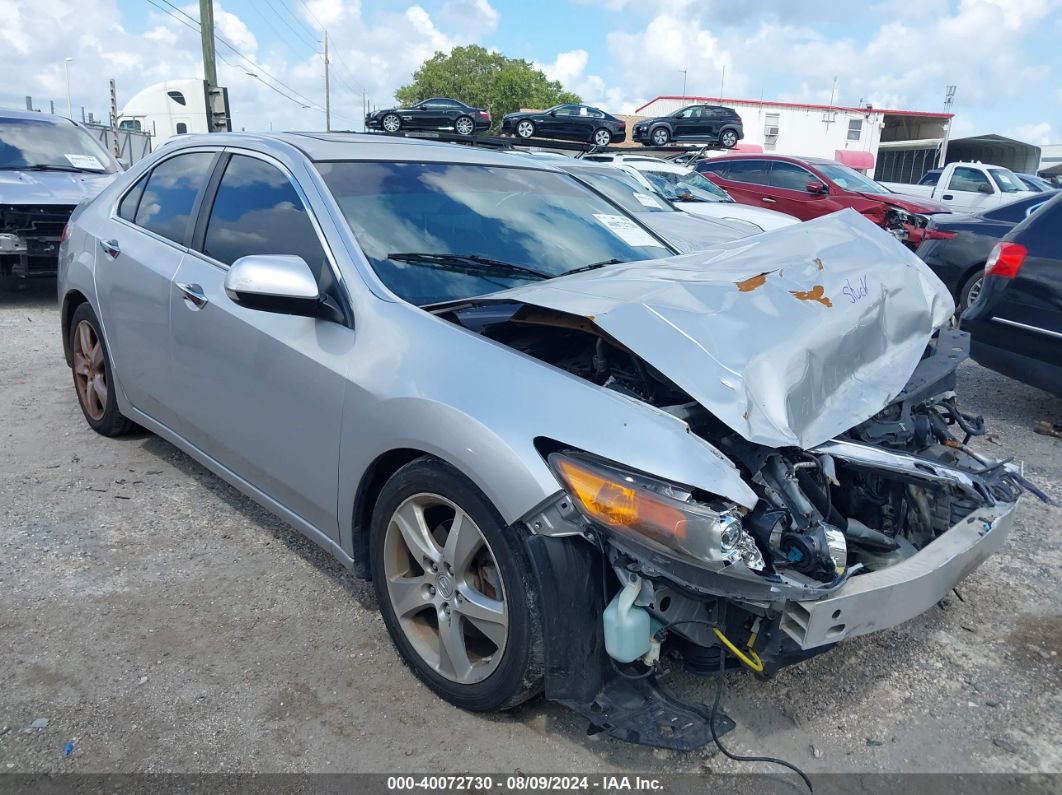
(1038, 134)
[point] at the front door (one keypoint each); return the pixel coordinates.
(787, 185)
(261, 393)
(969, 190)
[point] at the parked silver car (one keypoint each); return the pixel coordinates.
(556, 453)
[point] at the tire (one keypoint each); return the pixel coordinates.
(601, 137)
(660, 136)
(93, 382)
(525, 128)
(728, 139)
(391, 123)
(970, 291)
(464, 126)
(425, 497)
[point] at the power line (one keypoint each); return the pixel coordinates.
(312, 15)
(312, 42)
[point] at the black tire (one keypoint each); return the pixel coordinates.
(661, 136)
(971, 288)
(601, 137)
(471, 125)
(394, 120)
(518, 676)
(528, 131)
(109, 421)
(728, 139)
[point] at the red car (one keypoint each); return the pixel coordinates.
(808, 187)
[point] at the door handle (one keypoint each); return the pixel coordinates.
(947, 197)
(769, 200)
(194, 297)
(111, 248)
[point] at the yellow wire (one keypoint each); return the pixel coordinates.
(753, 660)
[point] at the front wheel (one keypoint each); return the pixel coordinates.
(660, 136)
(93, 379)
(729, 139)
(455, 588)
(602, 137)
(525, 128)
(391, 123)
(464, 126)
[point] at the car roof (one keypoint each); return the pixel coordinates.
(807, 159)
(32, 115)
(321, 146)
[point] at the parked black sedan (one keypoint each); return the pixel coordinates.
(710, 124)
(572, 122)
(1016, 322)
(437, 113)
(956, 246)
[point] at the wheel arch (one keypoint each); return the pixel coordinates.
(71, 301)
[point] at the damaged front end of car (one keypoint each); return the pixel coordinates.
(816, 363)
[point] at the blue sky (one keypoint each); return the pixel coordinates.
(1002, 54)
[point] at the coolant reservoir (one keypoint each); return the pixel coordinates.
(628, 633)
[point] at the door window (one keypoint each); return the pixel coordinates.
(170, 194)
(790, 177)
(751, 171)
(968, 179)
(258, 211)
(129, 203)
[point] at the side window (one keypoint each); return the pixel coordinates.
(127, 206)
(790, 177)
(257, 211)
(182, 128)
(751, 171)
(969, 179)
(720, 168)
(169, 197)
(566, 110)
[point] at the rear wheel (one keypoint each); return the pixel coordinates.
(464, 126)
(92, 375)
(391, 123)
(602, 137)
(971, 291)
(455, 589)
(728, 139)
(660, 136)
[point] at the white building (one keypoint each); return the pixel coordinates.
(851, 135)
(174, 107)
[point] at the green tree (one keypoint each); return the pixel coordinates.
(484, 79)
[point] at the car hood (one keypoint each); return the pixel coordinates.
(51, 187)
(762, 217)
(689, 233)
(913, 204)
(789, 337)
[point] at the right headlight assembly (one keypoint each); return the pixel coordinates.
(654, 512)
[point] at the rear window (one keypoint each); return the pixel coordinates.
(750, 171)
(172, 188)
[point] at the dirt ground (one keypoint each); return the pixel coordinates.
(153, 619)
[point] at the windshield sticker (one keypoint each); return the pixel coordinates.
(647, 201)
(84, 161)
(626, 230)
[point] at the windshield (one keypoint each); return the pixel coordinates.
(29, 143)
(535, 220)
(689, 186)
(850, 179)
(1007, 180)
(623, 189)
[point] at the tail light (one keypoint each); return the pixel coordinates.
(484, 114)
(1005, 260)
(938, 234)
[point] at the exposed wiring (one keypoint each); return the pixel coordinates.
(753, 660)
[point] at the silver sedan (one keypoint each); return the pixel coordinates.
(559, 451)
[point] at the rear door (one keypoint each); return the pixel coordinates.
(261, 392)
(141, 246)
(744, 179)
(969, 190)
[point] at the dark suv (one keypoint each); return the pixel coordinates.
(712, 124)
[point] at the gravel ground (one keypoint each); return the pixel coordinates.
(157, 620)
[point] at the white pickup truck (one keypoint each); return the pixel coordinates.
(967, 187)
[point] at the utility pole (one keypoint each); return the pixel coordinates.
(949, 100)
(683, 83)
(328, 93)
(364, 109)
(114, 121)
(69, 104)
(206, 30)
(722, 77)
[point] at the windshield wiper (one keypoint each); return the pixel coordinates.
(594, 266)
(470, 261)
(46, 167)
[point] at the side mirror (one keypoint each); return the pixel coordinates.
(815, 188)
(983, 188)
(278, 283)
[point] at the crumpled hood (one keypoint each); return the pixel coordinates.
(789, 337)
(912, 204)
(50, 187)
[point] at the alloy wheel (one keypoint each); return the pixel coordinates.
(464, 126)
(729, 139)
(391, 123)
(602, 137)
(445, 588)
(525, 129)
(974, 292)
(90, 374)
(660, 136)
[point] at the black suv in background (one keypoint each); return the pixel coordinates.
(712, 124)
(437, 113)
(1016, 321)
